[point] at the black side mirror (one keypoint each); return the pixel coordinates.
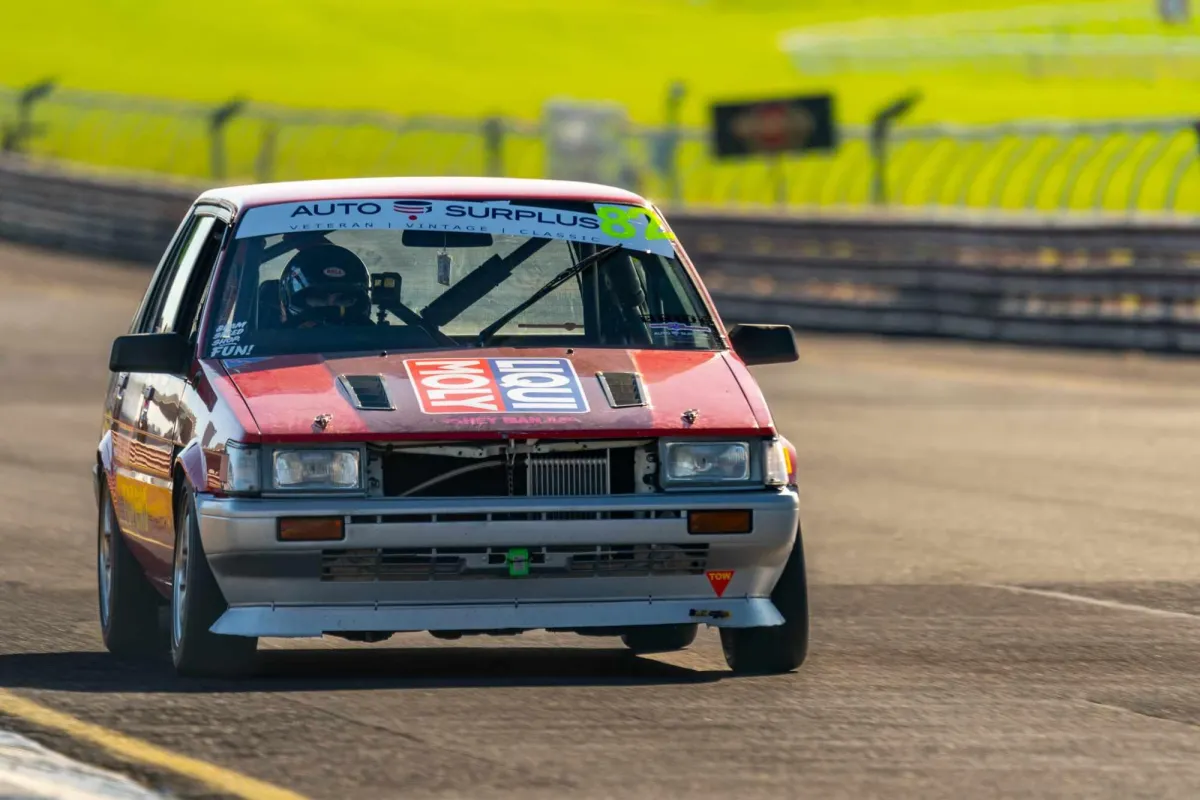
(764, 344)
(167, 353)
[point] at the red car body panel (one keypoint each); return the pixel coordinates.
(285, 394)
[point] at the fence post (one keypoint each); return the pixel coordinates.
(779, 174)
(881, 127)
(493, 146)
(217, 120)
(668, 143)
(13, 138)
(264, 164)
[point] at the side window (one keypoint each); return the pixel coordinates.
(167, 308)
(191, 310)
(144, 319)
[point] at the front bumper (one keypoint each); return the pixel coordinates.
(279, 588)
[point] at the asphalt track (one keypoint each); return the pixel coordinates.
(1006, 601)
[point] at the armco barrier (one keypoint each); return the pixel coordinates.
(101, 216)
(1115, 284)
(1100, 283)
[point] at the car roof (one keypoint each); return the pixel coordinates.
(418, 188)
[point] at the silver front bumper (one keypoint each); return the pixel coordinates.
(279, 588)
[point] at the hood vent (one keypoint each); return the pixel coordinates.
(623, 389)
(367, 392)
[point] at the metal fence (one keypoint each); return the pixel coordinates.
(1120, 166)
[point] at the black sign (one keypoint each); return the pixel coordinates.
(790, 125)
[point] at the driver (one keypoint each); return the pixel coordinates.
(325, 285)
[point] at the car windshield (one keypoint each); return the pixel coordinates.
(402, 275)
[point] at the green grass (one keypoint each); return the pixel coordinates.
(468, 58)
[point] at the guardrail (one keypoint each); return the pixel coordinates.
(110, 217)
(1101, 284)
(1115, 283)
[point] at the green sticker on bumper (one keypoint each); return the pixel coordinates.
(518, 562)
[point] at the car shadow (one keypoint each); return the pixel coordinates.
(297, 670)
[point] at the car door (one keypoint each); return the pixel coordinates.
(145, 450)
(165, 420)
(124, 408)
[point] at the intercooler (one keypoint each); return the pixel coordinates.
(554, 476)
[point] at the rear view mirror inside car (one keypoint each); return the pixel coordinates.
(445, 239)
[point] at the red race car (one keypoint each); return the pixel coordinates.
(460, 406)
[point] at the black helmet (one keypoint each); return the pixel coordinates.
(325, 284)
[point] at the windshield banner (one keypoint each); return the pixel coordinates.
(634, 227)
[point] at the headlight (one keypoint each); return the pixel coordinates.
(243, 470)
(707, 462)
(316, 470)
(777, 469)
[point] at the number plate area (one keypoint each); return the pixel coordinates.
(492, 563)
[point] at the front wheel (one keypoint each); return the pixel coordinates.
(197, 603)
(779, 648)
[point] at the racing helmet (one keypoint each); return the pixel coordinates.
(325, 285)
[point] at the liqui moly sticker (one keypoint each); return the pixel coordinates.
(500, 385)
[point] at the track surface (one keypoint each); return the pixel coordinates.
(933, 477)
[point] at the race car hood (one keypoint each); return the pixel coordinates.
(498, 393)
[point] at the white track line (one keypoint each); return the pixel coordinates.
(1115, 605)
(20, 785)
(28, 770)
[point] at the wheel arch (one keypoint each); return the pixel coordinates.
(188, 472)
(104, 466)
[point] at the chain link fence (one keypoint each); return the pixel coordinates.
(1121, 166)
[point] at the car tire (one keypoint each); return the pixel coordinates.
(128, 602)
(659, 638)
(778, 648)
(197, 603)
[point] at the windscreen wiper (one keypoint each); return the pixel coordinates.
(487, 333)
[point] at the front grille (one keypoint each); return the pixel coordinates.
(475, 563)
(641, 559)
(514, 516)
(587, 473)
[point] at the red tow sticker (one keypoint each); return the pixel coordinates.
(719, 580)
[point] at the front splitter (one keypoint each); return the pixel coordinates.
(302, 621)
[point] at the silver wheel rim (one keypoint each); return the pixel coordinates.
(179, 580)
(104, 559)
